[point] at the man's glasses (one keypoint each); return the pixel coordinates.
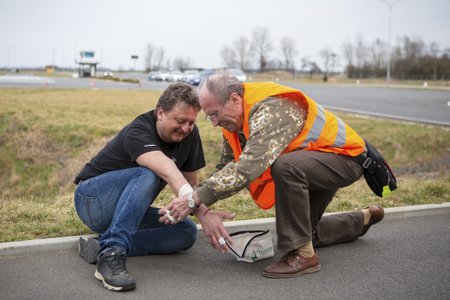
(213, 116)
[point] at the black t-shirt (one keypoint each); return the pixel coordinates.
(140, 137)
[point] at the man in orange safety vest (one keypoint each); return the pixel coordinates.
(288, 151)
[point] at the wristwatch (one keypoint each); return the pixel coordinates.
(191, 201)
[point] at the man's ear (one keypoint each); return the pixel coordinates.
(159, 113)
(236, 98)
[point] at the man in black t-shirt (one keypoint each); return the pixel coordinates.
(116, 188)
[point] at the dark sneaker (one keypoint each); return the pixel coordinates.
(88, 249)
(112, 272)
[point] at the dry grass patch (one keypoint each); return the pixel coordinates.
(47, 135)
(38, 217)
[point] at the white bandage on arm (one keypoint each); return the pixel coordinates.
(185, 189)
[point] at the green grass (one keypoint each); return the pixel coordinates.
(47, 135)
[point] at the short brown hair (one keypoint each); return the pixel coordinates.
(178, 92)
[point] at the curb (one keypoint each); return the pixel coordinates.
(33, 247)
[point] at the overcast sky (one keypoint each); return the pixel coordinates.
(39, 32)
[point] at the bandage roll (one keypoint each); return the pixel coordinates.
(185, 189)
(169, 216)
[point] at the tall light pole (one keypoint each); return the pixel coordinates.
(9, 58)
(134, 57)
(390, 6)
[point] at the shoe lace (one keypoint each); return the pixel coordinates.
(117, 264)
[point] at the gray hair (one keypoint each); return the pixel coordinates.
(178, 92)
(222, 85)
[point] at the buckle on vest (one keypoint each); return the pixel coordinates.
(367, 162)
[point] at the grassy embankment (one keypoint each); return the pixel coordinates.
(47, 135)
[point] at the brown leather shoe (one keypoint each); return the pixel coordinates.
(292, 265)
(376, 215)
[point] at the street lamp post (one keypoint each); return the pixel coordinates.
(134, 57)
(390, 6)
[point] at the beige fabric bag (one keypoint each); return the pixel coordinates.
(252, 245)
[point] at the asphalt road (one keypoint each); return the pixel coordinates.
(406, 256)
(24, 81)
(417, 105)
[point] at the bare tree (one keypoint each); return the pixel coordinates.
(243, 51)
(149, 55)
(305, 62)
(411, 59)
(168, 64)
(378, 52)
(160, 54)
(275, 64)
(434, 53)
(182, 63)
(289, 50)
(413, 48)
(333, 62)
(262, 46)
(311, 66)
(407, 57)
(327, 58)
(360, 57)
(360, 51)
(348, 52)
(228, 56)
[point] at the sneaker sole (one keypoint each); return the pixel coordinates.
(99, 276)
(88, 250)
(292, 275)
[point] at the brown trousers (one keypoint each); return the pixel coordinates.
(305, 183)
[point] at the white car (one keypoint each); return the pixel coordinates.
(108, 74)
(158, 76)
(189, 75)
(238, 73)
(152, 75)
(175, 76)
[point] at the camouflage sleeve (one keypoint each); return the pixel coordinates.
(273, 124)
(226, 156)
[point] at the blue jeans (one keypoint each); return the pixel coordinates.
(116, 205)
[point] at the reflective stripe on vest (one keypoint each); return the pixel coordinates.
(323, 131)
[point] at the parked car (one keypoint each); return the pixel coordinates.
(152, 75)
(188, 75)
(195, 80)
(108, 74)
(163, 76)
(238, 73)
(175, 76)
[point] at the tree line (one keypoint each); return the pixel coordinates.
(410, 57)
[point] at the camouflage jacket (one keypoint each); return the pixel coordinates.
(273, 123)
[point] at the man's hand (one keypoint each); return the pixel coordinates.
(214, 230)
(178, 209)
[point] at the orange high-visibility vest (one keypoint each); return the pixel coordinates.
(323, 131)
